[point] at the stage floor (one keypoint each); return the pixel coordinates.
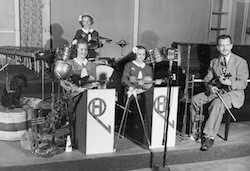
(129, 155)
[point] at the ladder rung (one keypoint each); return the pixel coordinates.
(218, 28)
(220, 13)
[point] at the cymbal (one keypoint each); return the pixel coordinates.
(122, 43)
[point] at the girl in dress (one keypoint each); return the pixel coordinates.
(89, 34)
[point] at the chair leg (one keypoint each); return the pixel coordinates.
(227, 122)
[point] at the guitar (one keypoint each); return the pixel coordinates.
(84, 81)
(76, 85)
(87, 81)
(145, 83)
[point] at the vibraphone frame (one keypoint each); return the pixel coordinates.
(34, 58)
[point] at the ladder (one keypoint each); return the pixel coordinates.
(220, 19)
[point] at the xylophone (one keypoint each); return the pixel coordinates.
(34, 58)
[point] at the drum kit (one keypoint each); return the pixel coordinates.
(122, 43)
(157, 55)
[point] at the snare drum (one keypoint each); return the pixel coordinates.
(63, 52)
(157, 55)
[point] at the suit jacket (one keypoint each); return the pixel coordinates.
(238, 68)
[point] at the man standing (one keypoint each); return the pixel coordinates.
(227, 76)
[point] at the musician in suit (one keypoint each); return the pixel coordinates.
(227, 75)
(89, 34)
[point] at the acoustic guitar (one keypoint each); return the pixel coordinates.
(84, 81)
(145, 83)
(79, 85)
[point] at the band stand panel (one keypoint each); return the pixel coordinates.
(158, 115)
(95, 121)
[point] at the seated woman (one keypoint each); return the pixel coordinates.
(82, 78)
(82, 72)
(136, 70)
(137, 80)
(137, 76)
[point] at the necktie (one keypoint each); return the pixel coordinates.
(140, 75)
(89, 36)
(224, 65)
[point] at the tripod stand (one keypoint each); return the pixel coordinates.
(130, 95)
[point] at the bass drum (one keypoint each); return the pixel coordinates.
(108, 78)
(119, 64)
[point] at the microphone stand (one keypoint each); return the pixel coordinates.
(167, 113)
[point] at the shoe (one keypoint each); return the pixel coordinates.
(208, 143)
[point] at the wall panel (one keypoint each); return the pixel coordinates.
(165, 21)
(161, 22)
(113, 19)
(7, 20)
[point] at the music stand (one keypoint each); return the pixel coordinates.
(129, 96)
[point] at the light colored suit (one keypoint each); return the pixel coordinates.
(238, 69)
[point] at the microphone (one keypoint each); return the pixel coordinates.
(170, 57)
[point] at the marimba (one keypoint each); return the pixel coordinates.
(34, 58)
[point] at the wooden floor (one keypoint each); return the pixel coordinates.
(129, 155)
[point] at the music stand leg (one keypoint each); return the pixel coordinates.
(121, 124)
(142, 121)
(125, 124)
(124, 117)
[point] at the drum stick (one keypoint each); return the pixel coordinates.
(225, 105)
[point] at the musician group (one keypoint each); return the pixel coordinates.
(225, 80)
